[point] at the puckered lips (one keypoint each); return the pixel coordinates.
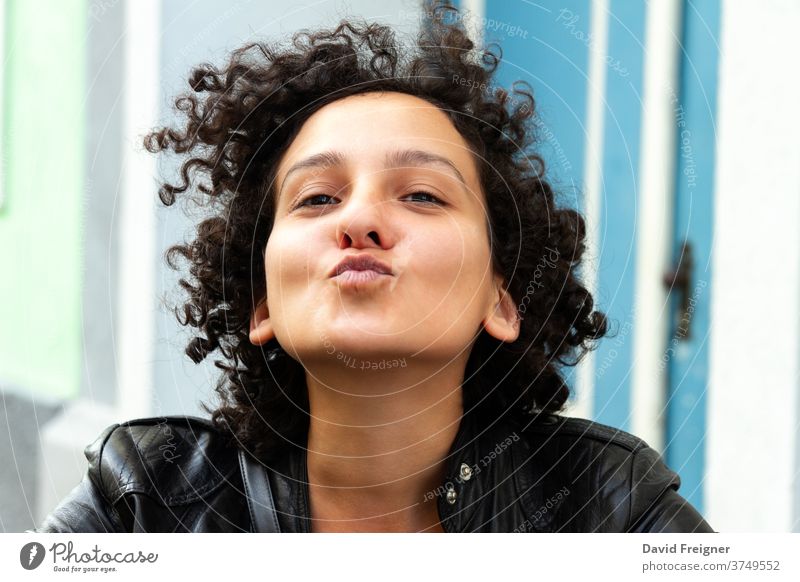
(357, 270)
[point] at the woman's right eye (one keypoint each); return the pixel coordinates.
(305, 201)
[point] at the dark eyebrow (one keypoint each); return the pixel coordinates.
(394, 159)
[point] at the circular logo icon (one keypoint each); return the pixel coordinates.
(31, 555)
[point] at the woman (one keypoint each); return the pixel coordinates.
(392, 286)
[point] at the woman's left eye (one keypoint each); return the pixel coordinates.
(434, 199)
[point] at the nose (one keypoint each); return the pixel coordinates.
(363, 221)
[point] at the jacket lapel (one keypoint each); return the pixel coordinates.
(261, 505)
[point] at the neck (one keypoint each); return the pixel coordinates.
(377, 443)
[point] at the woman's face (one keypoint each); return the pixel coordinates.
(385, 176)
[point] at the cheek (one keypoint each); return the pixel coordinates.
(451, 291)
(287, 261)
(454, 262)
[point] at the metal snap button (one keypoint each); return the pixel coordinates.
(466, 472)
(451, 495)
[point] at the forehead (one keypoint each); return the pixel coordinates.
(368, 125)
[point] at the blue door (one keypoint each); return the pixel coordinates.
(548, 44)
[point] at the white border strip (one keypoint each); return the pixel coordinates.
(654, 232)
(351, 557)
(137, 292)
(583, 405)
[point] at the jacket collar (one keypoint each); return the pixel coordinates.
(480, 479)
(479, 468)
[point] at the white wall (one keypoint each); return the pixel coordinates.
(752, 461)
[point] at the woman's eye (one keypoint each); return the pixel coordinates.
(305, 201)
(320, 199)
(433, 199)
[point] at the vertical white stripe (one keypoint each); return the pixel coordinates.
(654, 229)
(137, 205)
(593, 171)
(476, 19)
(753, 413)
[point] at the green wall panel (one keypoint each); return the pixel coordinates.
(43, 180)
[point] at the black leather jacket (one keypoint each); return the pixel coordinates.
(554, 474)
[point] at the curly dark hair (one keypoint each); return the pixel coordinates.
(240, 119)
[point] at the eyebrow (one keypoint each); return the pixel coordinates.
(394, 159)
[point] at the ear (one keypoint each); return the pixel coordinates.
(503, 321)
(260, 325)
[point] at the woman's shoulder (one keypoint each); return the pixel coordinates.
(610, 479)
(173, 458)
(579, 430)
(140, 467)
